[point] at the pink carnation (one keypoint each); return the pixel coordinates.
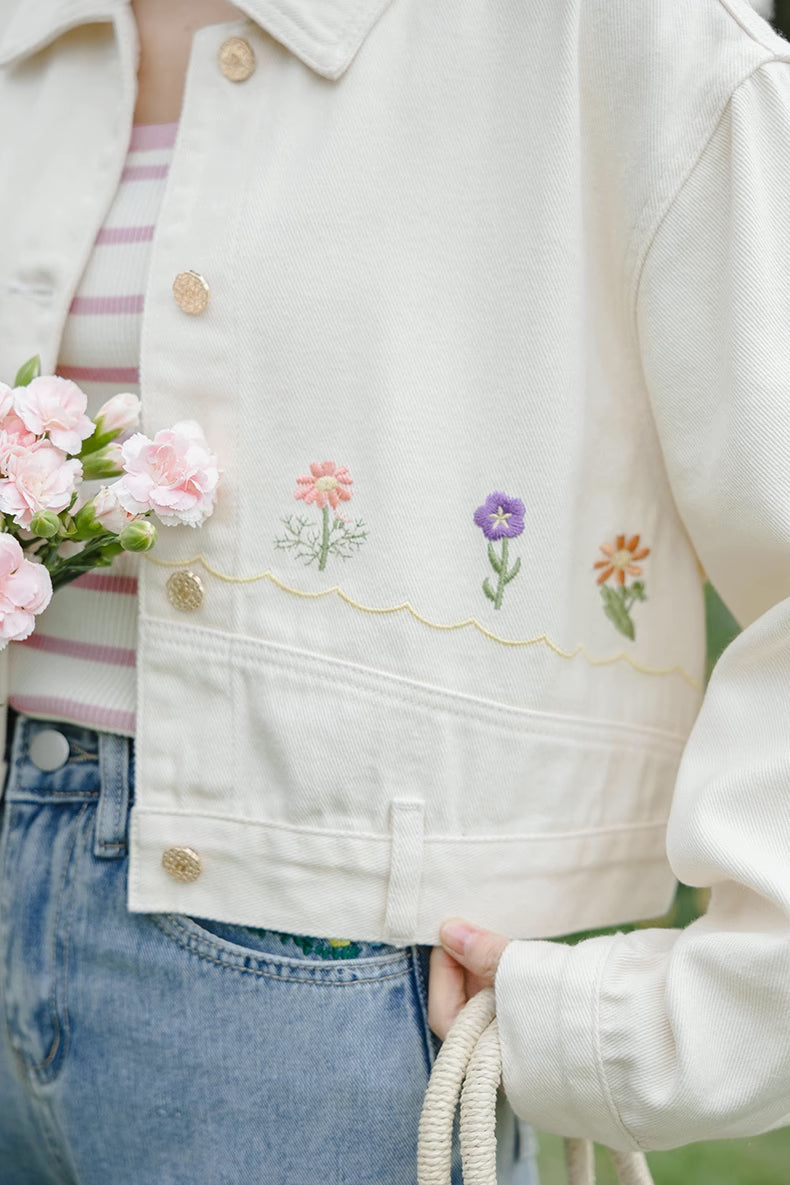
(56, 407)
(14, 437)
(6, 401)
(108, 511)
(175, 475)
(39, 478)
(25, 590)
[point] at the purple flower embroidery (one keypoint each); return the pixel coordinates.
(500, 517)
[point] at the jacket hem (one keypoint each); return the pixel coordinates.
(321, 882)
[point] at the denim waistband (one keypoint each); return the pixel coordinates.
(99, 768)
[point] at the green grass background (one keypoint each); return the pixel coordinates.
(764, 1160)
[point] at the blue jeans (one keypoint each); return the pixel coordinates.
(141, 1049)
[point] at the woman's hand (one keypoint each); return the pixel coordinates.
(462, 966)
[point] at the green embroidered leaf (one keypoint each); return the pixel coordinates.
(487, 589)
(638, 591)
(494, 559)
(615, 610)
(513, 571)
(28, 371)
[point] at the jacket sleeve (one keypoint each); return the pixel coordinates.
(662, 1037)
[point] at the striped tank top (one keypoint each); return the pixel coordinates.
(79, 663)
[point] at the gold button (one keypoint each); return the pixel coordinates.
(236, 59)
(183, 864)
(191, 292)
(185, 590)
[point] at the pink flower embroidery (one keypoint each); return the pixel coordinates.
(325, 486)
(25, 590)
(325, 483)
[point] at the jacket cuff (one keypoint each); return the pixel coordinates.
(547, 997)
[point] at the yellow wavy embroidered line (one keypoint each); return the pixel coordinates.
(434, 625)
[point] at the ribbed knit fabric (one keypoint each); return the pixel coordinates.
(79, 664)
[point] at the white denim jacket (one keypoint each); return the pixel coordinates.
(496, 359)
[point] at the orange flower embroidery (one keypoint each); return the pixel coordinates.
(620, 562)
(620, 559)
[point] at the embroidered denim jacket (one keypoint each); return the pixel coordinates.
(442, 643)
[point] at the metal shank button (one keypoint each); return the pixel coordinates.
(183, 864)
(185, 590)
(191, 292)
(236, 59)
(49, 750)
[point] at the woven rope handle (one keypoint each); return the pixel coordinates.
(469, 1065)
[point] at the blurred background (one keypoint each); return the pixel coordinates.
(764, 1160)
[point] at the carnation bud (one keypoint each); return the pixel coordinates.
(46, 524)
(105, 462)
(138, 536)
(117, 415)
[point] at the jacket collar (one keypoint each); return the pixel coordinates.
(324, 34)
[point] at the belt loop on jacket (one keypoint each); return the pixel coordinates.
(403, 894)
(113, 805)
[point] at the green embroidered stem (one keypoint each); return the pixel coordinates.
(617, 603)
(500, 588)
(499, 564)
(324, 540)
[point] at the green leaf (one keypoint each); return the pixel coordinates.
(494, 559)
(513, 571)
(28, 371)
(488, 590)
(96, 441)
(638, 591)
(616, 611)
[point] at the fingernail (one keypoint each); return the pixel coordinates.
(455, 936)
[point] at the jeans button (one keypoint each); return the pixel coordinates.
(49, 750)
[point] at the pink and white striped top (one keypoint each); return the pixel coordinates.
(79, 664)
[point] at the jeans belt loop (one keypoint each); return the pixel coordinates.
(113, 805)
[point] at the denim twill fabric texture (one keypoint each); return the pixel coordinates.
(142, 1048)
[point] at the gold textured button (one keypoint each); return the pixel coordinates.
(183, 864)
(191, 292)
(185, 590)
(236, 59)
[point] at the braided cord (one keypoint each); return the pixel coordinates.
(469, 1065)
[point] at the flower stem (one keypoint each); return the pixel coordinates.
(500, 588)
(324, 540)
(64, 570)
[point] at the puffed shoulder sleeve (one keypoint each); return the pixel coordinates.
(663, 1037)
